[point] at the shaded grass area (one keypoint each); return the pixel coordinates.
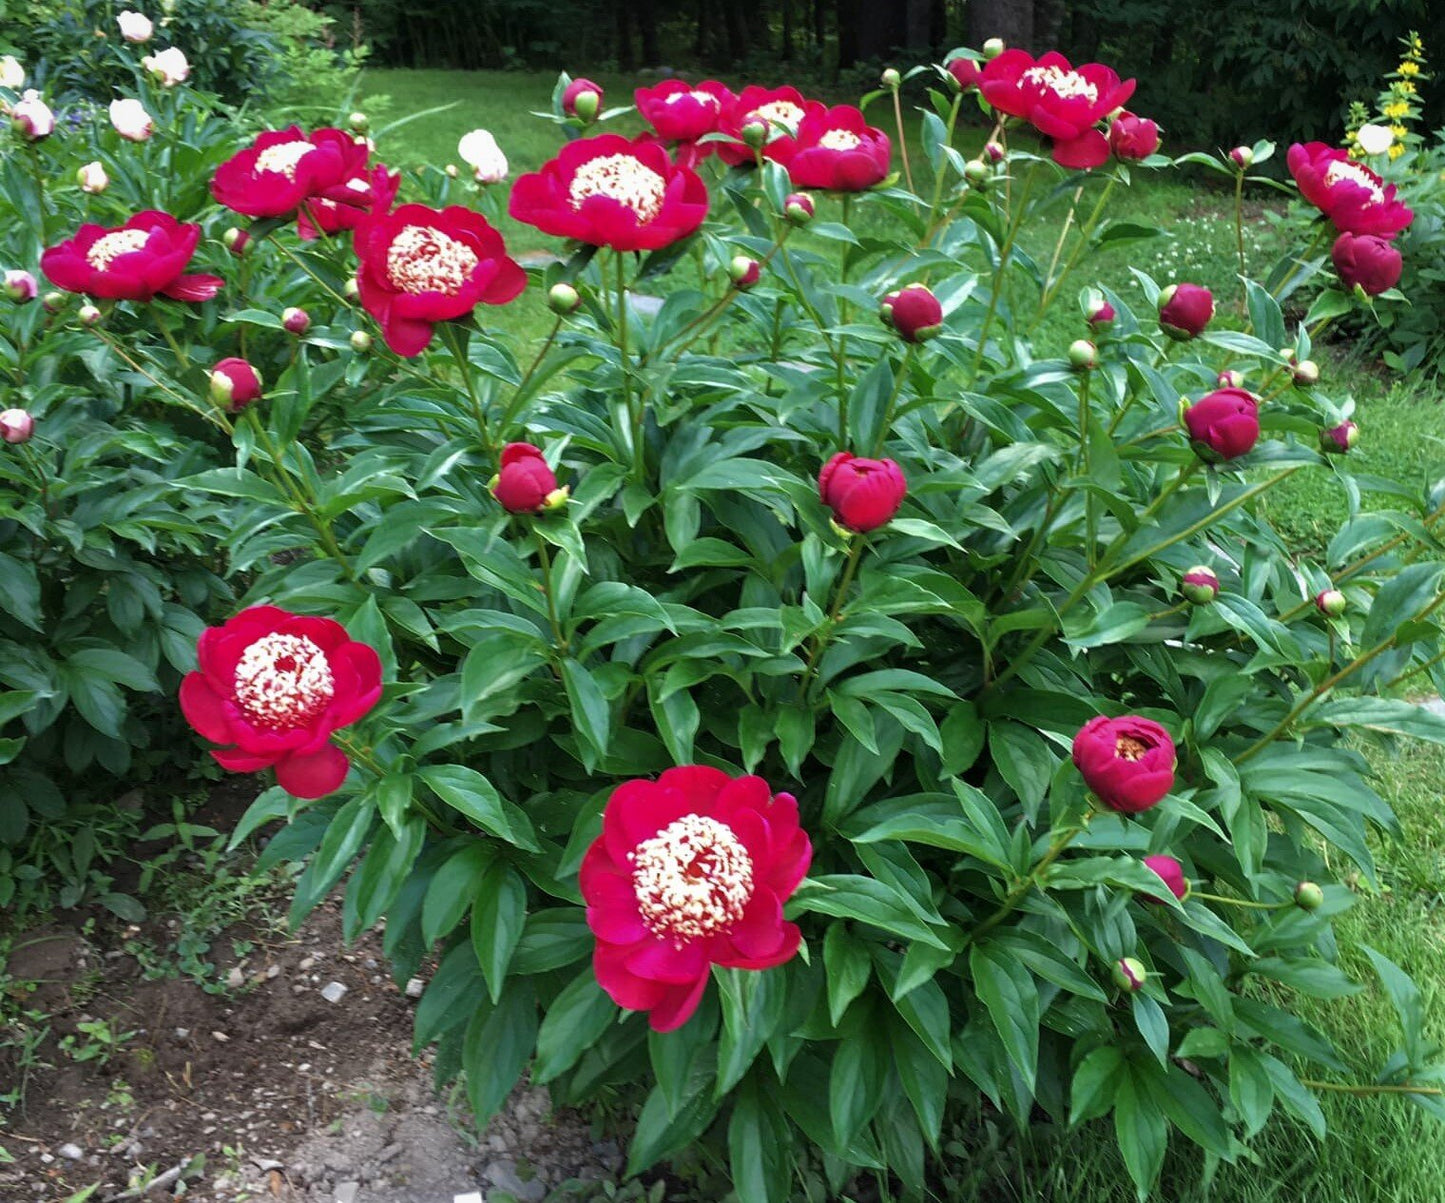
(1380, 1150)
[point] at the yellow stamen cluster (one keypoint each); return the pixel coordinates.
(623, 178)
(108, 247)
(423, 259)
(283, 157)
(692, 879)
(840, 139)
(779, 112)
(1066, 85)
(283, 681)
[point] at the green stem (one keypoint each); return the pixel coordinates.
(211, 415)
(821, 640)
(301, 263)
(511, 412)
(902, 138)
(1003, 258)
(635, 418)
(302, 503)
(1091, 517)
(181, 357)
(899, 377)
(1351, 1088)
(1416, 671)
(942, 174)
(1239, 230)
(454, 345)
(1051, 290)
(1319, 237)
(1223, 901)
(544, 558)
(1021, 891)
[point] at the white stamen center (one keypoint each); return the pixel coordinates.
(840, 139)
(423, 259)
(283, 157)
(624, 179)
(693, 879)
(283, 681)
(779, 112)
(1341, 171)
(702, 98)
(1066, 85)
(118, 242)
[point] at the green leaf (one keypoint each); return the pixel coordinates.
(846, 960)
(345, 835)
(1404, 996)
(855, 1085)
(591, 714)
(847, 896)
(452, 889)
(1142, 1133)
(450, 998)
(467, 791)
(576, 1018)
(497, 1047)
(1095, 1082)
(499, 915)
(1008, 992)
(753, 1004)
(758, 1147)
(551, 939)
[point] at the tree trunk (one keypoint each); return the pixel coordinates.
(622, 14)
(1011, 20)
(647, 22)
(881, 28)
(787, 6)
(737, 30)
(847, 14)
(918, 25)
(1048, 19)
(700, 45)
(820, 24)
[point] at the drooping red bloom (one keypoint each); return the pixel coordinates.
(133, 262)
(421, 266)
(838, 150)
(608, 191)
(272, 687)
(1059, 100)
(690, 871)
(862, 493)
(282, 168)
(1133, 138)
(526, 484)
(1224, 424)
(781, 109)
(1127, 762)
(682, 112)
(1351, 195)
(1171, 872)
(1367, 260)
(1185, 310)
(375, 193)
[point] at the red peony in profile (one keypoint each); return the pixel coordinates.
(862, 493)
(1059, 100)
(838, 150)
(690, 871)
(967, 72)
(1185, 310)
(1351, 195)
(525, 483)
(1171, 872)
(134, 262)
(781, 109)
(421, 266)
(272, 687)
(1368, 262)
(608, 191)
(282, 168)
(1127, 762)
(683, 113)
(1223, 425)
(375, 194)
(1133, 138)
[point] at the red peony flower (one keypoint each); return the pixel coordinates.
(967, 71)
(526, 484)
(375, 194)
(1351, 195)
(1132, 137)
(690, 871)
(1185, 310)
(914, 312)
(420, 266)
(838, 150)
(1337, 440)
(235, 384)
(1223, 425)
(608, 191)
(1127, 762)
(133, 262)
(781, 109)
(282, 168)
(680, 112)
(1171, 872)
(862, 493)
(272, 687)
(1367, 260)
(1059, 100)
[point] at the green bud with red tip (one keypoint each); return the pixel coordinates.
(1130, 974)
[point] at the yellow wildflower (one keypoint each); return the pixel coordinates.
(1396, 109)
(1408, 67)
(1399, 131)
(1403, 86)
(1397, 150)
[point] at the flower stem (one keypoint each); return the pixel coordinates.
(635, 417)
(454, 345)
(1239, 230)
(898, 378)
(1384, 1088)
(999, 275)
(821, 641)
(902, 138)
(1223, 901)
(544, 558)
(1051, 288)
(1019, 892)
(299, 499)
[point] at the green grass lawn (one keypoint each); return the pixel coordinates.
(1380, 1151)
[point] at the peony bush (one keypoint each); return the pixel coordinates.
(798, 701)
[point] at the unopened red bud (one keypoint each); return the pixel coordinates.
(236, 241)
(744, 271)
(1242, 156)
(1331, 602)
(1339, 439)
(994, 152)
(798, 208)
(1130, 974)
(295, 321)
(1306, 373)
(1200, 585)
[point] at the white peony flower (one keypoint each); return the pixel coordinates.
(135, 27)
(92, 177)
(32, 116)
(169, 66)
(131, 120)
(1374, 139)
(480, 152)
(12, 74)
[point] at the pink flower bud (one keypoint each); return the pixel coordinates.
(89, 315)
(915, 313)
(1339, 439)
(235, 384)
(20, 286)
(1331, 603)
(1306, 373)
(966, 72)
(1099, 312)
(863, 494)
(1185, 310)
(582, 99)
(135, 27)
(1229, 378)
(32, 117)
(1171, 872)
(1223, 425)
(92, 178)
(1130, 974)
(1133, 138)
(16, 426)
(798, 208)
(236, 240)
(1083, 355)
(1242, 157)
(131, 121)
(525, 482)
(1200, 585)
(993, 152)
(744, 271)
(169, 67)
(295, 321)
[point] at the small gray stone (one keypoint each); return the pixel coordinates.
(333, 992)
(273, 971)
(345, 1192)
(235, 979)
(503, 1175)
(71, 1152)
(415, 987)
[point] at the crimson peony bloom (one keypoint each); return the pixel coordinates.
(838, 150)
(1127, 762)
(1185, 310)
(133, 262)
(272, 687)
(862, 493)
(1059, 100)
(420, 266)
(282, 168)
(1171, 872)
(607, 191)
(1367, 261)
(375, 193)
(781, 109)
(914, 312)
(1351, 195)
(1223, 425)
(526, 484)
(1132, 137)
(680, 112)
(690, 871)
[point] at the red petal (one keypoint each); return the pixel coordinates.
(313, 776)
(698, 783)
(662, 962)
(1089, 149)
(199, 287)
(625, 988)
(759, 933)
(204, 709)
(676, 1006)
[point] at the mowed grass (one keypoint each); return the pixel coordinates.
(1380, 1150)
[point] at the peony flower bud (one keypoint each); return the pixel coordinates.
(563, 299)
(235, 384)
(54, 301)
(755, 132)
(965, 72)
(358, 123)
(994, 152)
(1127, 762)
(12, 74)
(16, 426)
(1229, 378)
(1185, 310)
(525, 482)
(1200, 585)
(885, 308)
(295, 321)
(1308, 896)
(480, 152)
(169, 67)
(1083, 355)
(92, 178)
(993, 48)
(135, 27)
(890, 79)
(977, 172)
(1242, 157)
(351, 289)
(1366, 262)
(130, 119)
(20, 286)
(1223, 425)
(89, 315)
(1133, 138)
(1171, 872)
(236, 240)
(863, 494)
(1374, 139)
(744, 271)
(1130, 974)
(1099, 313)
(452, 172)
(914, 312)
(1306, 373)
(798, 208)
(582, 99)
(360, 341)
(32, 117)
(1339, 439)
(1331, 603)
